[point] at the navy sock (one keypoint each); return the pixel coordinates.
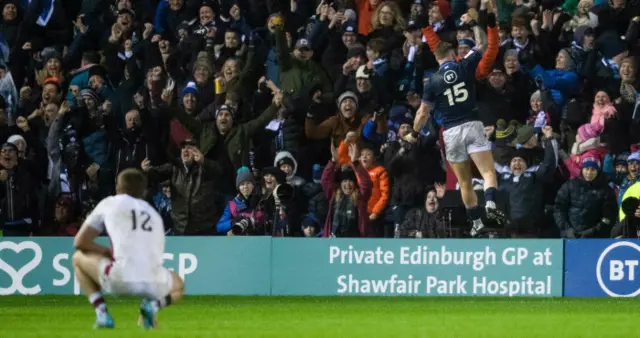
(489, 194)
(475, 213)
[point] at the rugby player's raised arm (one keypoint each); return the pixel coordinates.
(422, 116)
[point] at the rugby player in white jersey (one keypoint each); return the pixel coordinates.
(133, 264)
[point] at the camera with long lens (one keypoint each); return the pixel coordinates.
(629, 206)
(242, 226)
(70, 147)
(283, 194)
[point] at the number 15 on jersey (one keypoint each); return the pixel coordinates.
(457, 94)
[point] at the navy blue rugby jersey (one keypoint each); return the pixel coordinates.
(451, 90)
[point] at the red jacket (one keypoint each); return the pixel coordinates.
(364, 185)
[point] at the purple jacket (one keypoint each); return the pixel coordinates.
(364, 184)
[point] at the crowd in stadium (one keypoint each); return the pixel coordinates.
(296, 118)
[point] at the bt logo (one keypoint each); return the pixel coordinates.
(450, 76)
(617, 270)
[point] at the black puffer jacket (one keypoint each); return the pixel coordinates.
(418, 219)
(288, 137)
(586, 208)
(318, 203)
(421, 160)
(18, 202)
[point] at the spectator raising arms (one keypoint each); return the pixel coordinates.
(201, 93)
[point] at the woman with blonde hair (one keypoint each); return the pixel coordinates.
(348, 189)
(388, 24)
(581, 16)
(51, 66)
(628, 83)
(388, 14)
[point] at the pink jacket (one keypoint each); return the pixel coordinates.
(574, 162)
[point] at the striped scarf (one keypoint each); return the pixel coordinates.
(345, 217)
(46, 12)
(609, 63)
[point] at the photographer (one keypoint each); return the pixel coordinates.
(242, 215)
(629, 214)
(629, 226)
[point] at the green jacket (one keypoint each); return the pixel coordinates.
(193, 199)
(237, 141)
(298, 76)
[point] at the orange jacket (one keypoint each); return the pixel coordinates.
(488, 58)
(380, 192)
(365, 12)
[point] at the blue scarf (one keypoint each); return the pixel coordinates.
(46, 11)
(609, 63)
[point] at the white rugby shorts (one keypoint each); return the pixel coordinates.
(465, 139)
(114, 280)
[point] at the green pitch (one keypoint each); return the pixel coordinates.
(72, 316)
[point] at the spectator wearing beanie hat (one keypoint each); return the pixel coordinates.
(585, 206)
(504, 136)
(233, 150)
(438, 25)
(20, 198)
(337, 127)
(616, 168)
(587, 145)
(243, 207)
(20, 143)
(348, 189)
(525, 188)
(191, 98)
(525, 137)
(310, 225)
(633, 164)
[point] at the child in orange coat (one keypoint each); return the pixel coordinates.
(380, 193)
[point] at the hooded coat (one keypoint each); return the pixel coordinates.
(292, 179)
